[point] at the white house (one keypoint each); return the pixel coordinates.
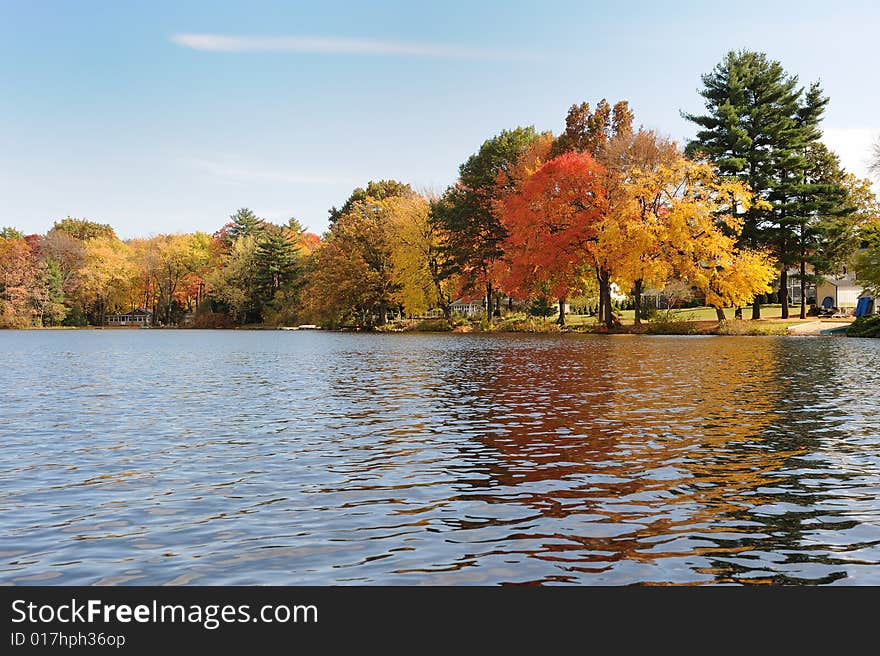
(137, 317)
(842, 289)
(469, 306)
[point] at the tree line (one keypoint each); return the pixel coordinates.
(534, 216)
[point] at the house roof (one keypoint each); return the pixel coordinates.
(842, 281)
(137, 312)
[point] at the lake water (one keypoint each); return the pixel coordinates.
(200, 457)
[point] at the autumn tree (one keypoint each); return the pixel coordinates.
(552, 223)
(643, 173)
(18, 278)
(83, 229)
(421, 266)
(467, 212)
(375, 191)
(591, 131)
(700, 235)
(598, 133)
(68, 252)
(104, 277)
(352, 279)
(757, 126)
(170, 261)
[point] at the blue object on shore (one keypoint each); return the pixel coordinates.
(863, 306)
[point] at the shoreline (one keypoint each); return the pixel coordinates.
(764, 328)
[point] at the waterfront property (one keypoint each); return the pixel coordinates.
(839, 292)
(469, 306)
(137, 317)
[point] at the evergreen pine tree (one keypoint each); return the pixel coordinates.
(750, 131)
(795, 198)
(828, 233)
(277, 263)
(244, 223)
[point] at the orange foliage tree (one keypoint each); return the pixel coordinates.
(552, 222)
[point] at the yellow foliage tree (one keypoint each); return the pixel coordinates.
(699, 235)
(106, 276)
(631, 237)
(418, 256)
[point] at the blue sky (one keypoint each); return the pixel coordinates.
(167, 116)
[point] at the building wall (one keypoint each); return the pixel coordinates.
(848, 297)
(844, 296)
(826, 289)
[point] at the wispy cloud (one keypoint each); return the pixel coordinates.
(248, 173)
(344, 46)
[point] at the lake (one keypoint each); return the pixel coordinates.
(286, 458)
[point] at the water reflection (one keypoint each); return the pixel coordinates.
(321, 458)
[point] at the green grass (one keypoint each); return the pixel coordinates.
(627, 317)
(685, 321)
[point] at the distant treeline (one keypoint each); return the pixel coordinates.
(533, 216)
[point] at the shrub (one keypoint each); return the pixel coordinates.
(74, 317)
(540, 307)
(212, 320)
(865, 327)
(649, 312)
(663, 326)
(738, 327)
(432, 326)
(526, 325)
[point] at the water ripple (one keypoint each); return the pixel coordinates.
(189, 457)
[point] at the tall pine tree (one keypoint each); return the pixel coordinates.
(825, 234)
(244, 223)
(752, 132)
(277, 263)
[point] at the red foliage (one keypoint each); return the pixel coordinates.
(552, 222)
(309, 241)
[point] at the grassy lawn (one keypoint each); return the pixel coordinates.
(771, 313)
(688, 321)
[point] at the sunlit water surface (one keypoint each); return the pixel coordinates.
(190, 457)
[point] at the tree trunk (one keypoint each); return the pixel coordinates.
(600, 309)
(719, 313)
(637, 297)
(497, 305)
(738, 314)
(489, 301)
(605, 292)
(561, 319)
(803, 314)
(756, 310)
(783, 292)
